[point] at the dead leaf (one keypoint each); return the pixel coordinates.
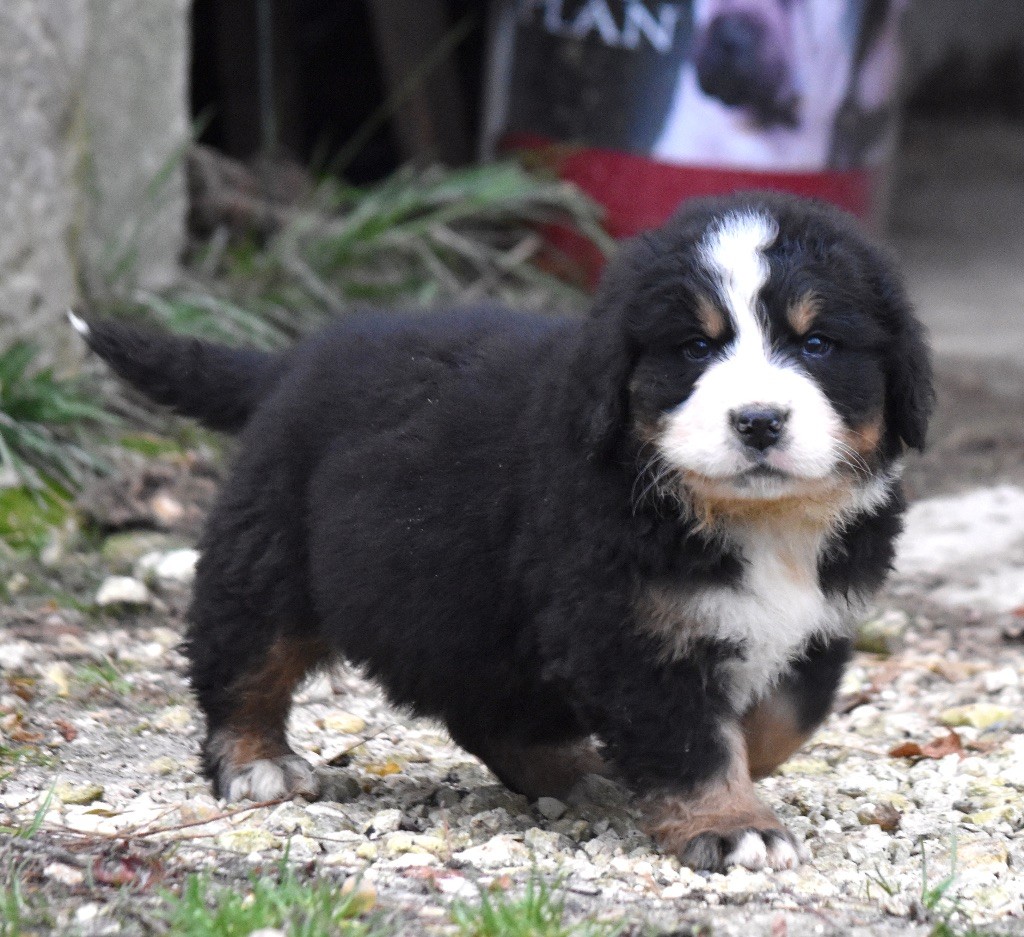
(500, 883)
(66, 729)
(363, 895)
(137, 872)
(22, 687)
(430, 875)
(953, 671)
(884, 816)
(949, 744)
(26, 736)
(382, 770)
(851, 701)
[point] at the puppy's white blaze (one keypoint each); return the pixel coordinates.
(698, 435)
(77, 323)
(750, 852)
(734, 253)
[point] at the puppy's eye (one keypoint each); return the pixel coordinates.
(816, 346)
(697, 349)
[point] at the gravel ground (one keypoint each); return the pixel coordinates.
(924, 758)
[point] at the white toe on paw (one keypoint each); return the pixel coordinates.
(750, 851)
(275, 779)
(783, 855)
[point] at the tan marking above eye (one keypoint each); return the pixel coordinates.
(802, 313)
(710, 317)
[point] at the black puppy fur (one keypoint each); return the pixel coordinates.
(460, 504)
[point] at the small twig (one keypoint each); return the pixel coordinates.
(846, 747)
(40, 846)
(141, 832)
(348, 751)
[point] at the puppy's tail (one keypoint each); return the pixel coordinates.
(217, 385)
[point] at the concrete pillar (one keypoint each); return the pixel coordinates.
(136, 119)
(93, 107)
(42, 53)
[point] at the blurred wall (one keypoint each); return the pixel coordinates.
(93, 110)
(965, 58)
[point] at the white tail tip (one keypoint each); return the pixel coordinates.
(77, 323)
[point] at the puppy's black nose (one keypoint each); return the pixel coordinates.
(759, 427)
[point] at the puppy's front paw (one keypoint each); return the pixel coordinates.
(716, 851)
(722, 826)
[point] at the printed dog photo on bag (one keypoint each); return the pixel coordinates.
(769, 85)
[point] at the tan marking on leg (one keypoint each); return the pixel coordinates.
(264, 697)
(543, 770)
(802, 313)
(248, 748)
(710, 317)
(256, 729)
(723, 805)
(772, 732)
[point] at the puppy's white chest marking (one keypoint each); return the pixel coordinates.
(775, 609)
(772, 611)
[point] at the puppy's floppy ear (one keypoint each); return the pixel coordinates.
(910, 391)
(601, 371)
(603, 360)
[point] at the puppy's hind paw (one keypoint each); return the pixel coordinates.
(270, 779)
(750, 848)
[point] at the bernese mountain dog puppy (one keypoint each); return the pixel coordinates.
(629, 543)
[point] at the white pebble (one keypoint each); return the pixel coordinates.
(123, 590)
(172, 568)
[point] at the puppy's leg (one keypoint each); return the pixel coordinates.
(541, 770)
(246, 752)
(671, 732)
(778, 725)
(253, 631)
(722, 822)
(531, 738)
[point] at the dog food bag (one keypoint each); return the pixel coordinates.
(645, 102)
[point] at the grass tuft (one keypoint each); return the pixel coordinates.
(21, 913)
(29, 517)
(941, 906)
(301, 909)
(12, 909)
(45, 423)
(417, 238)
(538, 912)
